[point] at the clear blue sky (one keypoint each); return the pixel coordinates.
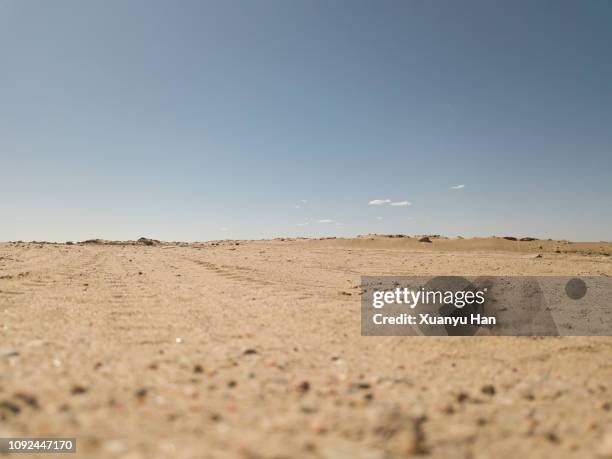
(194, 120)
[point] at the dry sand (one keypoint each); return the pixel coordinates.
(252, 349)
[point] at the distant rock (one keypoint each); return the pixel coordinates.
(92, 241)
(425, 239)
(510, 238)
(146, 241)
(528, 239)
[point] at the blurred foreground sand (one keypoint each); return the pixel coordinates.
(252, 349)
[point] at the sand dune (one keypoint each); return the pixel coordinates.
(252, 349)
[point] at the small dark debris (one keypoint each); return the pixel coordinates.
(78, 390)
(28, 399)
(303, 387)
(11, 407)
(250, 351)
(142, 393)
(198, 369)
(362, 386)
(552, 437)
(488, 389)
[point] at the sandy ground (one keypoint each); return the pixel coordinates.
(253, 350)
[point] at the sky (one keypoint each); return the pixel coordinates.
(199, 120)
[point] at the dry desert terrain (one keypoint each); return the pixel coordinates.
(252, 349)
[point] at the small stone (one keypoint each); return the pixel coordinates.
(78, 390)
(8, 352)
(28, 399)
(361, 386)
(302, 387)
(552, 437)
(141, 393)
(198, 369)
(488, 389)
(10, 407)
(250, 351)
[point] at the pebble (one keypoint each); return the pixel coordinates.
(488, 389)
(302, 387)
(78, 390)
(8, 352)
(28, 399)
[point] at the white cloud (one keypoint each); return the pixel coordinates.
(457, 187)
(325, 220)
(223, 229)
(379, 202)
(379, 218)
(400, 203)
(303, 224)
(304, 200)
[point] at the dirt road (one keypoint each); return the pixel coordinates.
(253, 350)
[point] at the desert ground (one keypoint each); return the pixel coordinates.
(252, 349)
